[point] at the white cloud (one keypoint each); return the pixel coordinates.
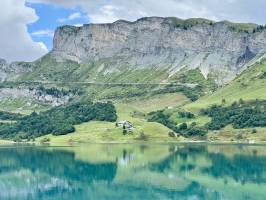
(76, 15)
(78, 25)
(15, 41)
(111, 10)
(107, 13)
(43, 33)
(42, 45)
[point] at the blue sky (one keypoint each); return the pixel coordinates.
(50, 17)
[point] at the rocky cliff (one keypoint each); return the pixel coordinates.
(10, 71)
(219, 49)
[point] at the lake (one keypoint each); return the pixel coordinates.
(127, 171)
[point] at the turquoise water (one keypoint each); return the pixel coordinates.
(147, 172)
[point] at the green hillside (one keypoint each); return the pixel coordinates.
(249, 85)
(155, 104)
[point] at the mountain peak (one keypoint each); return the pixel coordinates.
(171, 44)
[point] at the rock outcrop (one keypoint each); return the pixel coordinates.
(9, 72)
(33, 95)
(219, 49)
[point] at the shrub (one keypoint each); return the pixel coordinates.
(183, 126)
(124, 131)
(142, 136)
(172, 134)
(45, 140)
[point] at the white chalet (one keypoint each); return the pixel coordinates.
(125, 123)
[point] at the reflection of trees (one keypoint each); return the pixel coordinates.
(184, 166)
(243, 168)
(179, 162)
(195, 161)
(55, 163)
(177, 154)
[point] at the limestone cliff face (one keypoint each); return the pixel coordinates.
(10, 71)
(216, 48)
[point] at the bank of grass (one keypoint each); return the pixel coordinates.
(250, 85)
(199, 120)
(106, 132)
(6, 142)
(157, 102)
(144, 131)
(247, 135)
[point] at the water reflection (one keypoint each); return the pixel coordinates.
(133, 172)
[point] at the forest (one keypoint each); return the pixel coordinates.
(57, 121)
(241, 114)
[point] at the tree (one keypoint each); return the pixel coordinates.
(183, 126)
(193, 124)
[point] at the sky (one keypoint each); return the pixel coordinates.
(27, 26)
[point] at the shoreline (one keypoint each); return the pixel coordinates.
(8, 143)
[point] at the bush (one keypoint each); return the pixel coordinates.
(172, 134)
(162, 118)
(188, 115)
(9, 116)
(183, 129)
(193, 124)
(45, 140)
(183, 126)
(124, 131)
(142, 136)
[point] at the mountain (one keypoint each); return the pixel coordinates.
(148, 50)
(158, 72)
(220, 50)
(192, 53)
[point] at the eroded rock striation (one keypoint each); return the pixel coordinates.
(218, 49)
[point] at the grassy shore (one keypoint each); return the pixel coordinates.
(6, 142)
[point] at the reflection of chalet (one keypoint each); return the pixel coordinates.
(125, 123)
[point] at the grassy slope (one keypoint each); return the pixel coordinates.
(134, 112)
(22, 105)
(51, 70)
(249, 85)
(157, 102)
